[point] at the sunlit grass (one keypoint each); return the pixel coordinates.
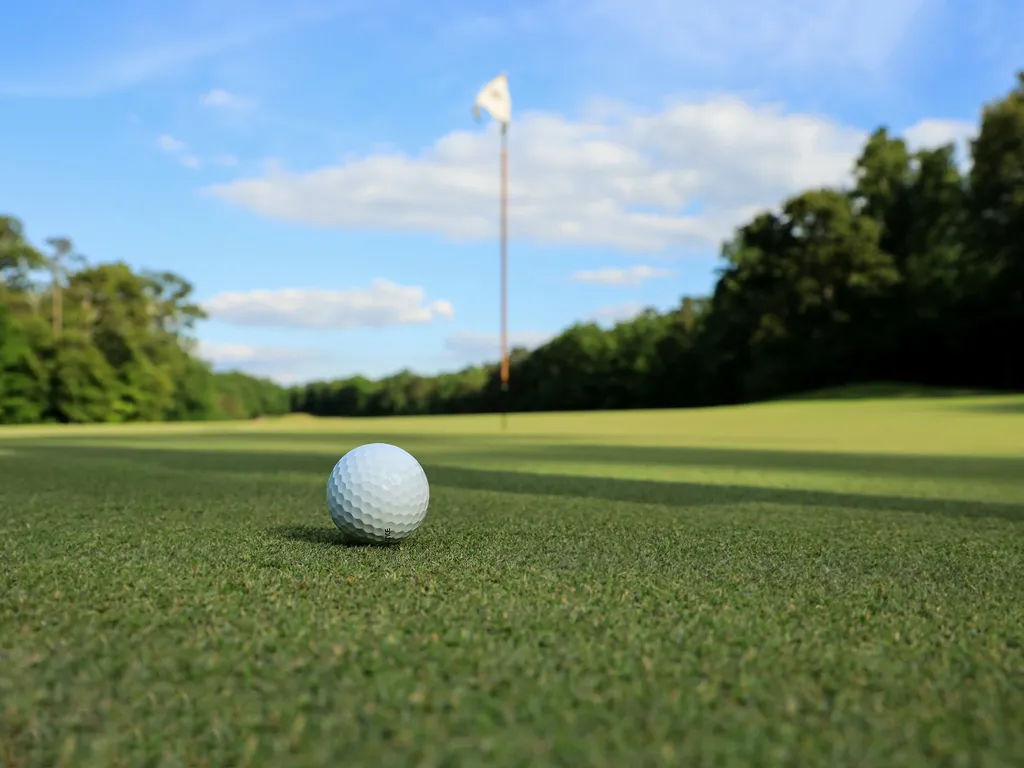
(981, 425)
(831, 583)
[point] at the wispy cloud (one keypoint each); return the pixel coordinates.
(616, 313)
(845, 36)
(168, 143)
(474, 347)
(149, 40)
(628, 276)
(382, 304)
(177, 147)
(219, 98)
(286, 365)
(479, 347)
(227, 355)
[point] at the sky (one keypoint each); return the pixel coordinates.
(313, 168)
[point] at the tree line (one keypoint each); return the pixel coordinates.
(915, 273)
(103, 343)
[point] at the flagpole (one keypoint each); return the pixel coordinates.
(495, 99)
(504, 276)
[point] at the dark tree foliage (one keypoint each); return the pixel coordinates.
(995, 238)
(914, 274)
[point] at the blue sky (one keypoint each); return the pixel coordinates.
(314, 170)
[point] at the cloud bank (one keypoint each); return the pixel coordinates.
(679, 180)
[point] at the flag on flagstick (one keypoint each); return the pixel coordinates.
(494, 99)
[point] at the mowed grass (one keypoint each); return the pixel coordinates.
(800, 583)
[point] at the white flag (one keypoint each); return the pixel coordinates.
(494, 98)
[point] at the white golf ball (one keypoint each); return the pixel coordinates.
(377, 494)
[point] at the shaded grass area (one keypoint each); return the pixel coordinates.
(468, 447)
(312, 467)
(927, 479)
(196, 607)
(887, 390)
(465, 448)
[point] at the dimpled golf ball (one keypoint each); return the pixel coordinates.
(377, 494)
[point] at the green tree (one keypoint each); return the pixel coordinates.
(793, 306)
(83, 385)
(918, 202)
(137, 322)
(63, 254)
(681, 365)
(570, 372)
(22, 376)
(996, 204)
(17, 256)
(195, 392)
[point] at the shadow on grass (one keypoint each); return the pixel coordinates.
(225, 467)
(676, 494)
(460, 449)
(870, 465)
(882, 390)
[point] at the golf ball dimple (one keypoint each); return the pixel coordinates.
(377, 494)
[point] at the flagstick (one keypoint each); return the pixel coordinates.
(504, 276)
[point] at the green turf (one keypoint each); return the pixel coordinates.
(800, 583)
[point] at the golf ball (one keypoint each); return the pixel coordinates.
(377, 494)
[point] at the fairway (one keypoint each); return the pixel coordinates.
(830, 583)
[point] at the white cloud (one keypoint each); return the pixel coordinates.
(191, 161)
(169, 144)
(629, 183)
(228, 161)
(680, 179)
(621, 276)
(381, 305)
(473, 347)
(283, 364)
(237, 354)
(936, 133)
(617, 313)
(219, 98)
